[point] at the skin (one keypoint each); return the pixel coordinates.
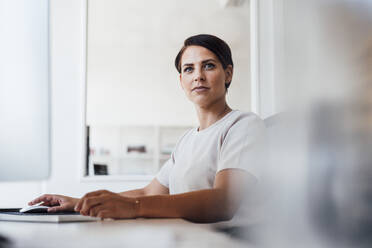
(201, 68)
(203, 80)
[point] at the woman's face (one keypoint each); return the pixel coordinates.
(202, 76)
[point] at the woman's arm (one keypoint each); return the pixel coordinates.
(65, 203)
(199, 206)
(153, 188)
(210, 205)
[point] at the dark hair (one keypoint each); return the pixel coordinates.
(212, 43)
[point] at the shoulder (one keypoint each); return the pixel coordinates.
(242, 127)
(244, 122)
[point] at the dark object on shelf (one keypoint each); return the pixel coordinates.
(100, 169)
(140, 149)
(87, 152)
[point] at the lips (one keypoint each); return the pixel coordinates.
(200, 89)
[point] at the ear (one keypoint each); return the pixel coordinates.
(181, 80)
(229, 71)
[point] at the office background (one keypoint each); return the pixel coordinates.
(68, 56)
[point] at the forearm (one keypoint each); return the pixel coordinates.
(210, 205)
(153, 188)
(133, 193)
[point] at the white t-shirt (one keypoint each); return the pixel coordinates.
(232, 142)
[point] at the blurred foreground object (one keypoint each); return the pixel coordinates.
(318, 183)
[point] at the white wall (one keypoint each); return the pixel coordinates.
(266, 55)
(67, 79)
(20, 74)
(68, 19)
(131, 77)
(286, 43)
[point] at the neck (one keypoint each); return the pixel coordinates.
(209, 115)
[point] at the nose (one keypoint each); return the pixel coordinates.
(199, 75)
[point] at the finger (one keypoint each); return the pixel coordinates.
(36, 200)
(88, 203)
(56, 209)
(55, 201)
(96, 209)
(104, 214)
(79, 205)
(44, 198)
(48, 200)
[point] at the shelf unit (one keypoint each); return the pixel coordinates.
(109, 147)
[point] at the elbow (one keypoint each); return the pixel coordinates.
(227, 210)
(226, 215)
(212, 217)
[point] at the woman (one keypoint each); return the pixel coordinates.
(205, 178)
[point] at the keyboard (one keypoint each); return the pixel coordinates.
(15, 211)
(13, 214)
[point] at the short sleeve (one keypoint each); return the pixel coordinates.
(243, 145)
(163, 174)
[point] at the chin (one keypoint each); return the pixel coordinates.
(202, 103)
(205, 101)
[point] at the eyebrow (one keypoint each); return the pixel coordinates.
(203, 62)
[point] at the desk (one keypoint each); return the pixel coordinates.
(120, 233)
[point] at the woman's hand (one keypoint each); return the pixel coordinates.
(57, 202)
(105, 204)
